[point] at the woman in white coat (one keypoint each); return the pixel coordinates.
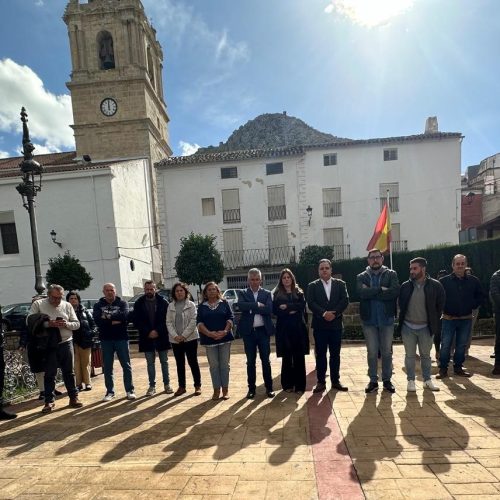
(183, 335)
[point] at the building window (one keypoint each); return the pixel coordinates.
(106, 50)
(229, 172)
(334, 237)
(390, 154)
(393, 190)
(278, 244)
(274, 168)
(231, 206)
(240, 281)
(207, 206)
(332, 203)
(330, 159)
(8, 234)
(276, 208)
(233, 255)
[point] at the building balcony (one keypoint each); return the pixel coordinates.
(332, 209)
(341, 252)
(236, 259)
(399, 245)
(277, 212)
(231, 216)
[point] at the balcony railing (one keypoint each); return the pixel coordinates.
(234, 259)
(341, 252)
(332, 209)
(399, 245)
(276, 213)
(231, 216)
(393, 203)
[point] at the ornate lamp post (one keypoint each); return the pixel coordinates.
(31, 172)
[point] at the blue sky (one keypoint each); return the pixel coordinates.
(227, 61)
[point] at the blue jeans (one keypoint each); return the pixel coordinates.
(150, 359)
(379, 338)
(459, 330)
(412, 338)
(109, 347)
(218, 360)
(258, 339)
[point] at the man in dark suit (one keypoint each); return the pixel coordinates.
(327, 299)
(256, 327)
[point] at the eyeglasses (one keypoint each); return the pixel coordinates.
(375, 257)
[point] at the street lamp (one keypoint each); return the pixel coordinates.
(309, 211)
(31, 172)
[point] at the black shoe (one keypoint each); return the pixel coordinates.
(319, 388)
(442, 374)
(389, 387)
(270, 394)
(460, 372)
(371, 387)
(339, 386)
(41, 396)
(57, 393)
(250, 394)
(6, 416)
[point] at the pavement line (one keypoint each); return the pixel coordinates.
(336, 477)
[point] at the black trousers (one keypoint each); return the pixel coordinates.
(62, 357)
(187, 350)
(327, 340)
(293, 370)
(497, 339)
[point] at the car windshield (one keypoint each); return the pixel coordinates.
(7, 309)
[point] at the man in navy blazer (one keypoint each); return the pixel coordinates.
(327, 299)
(256, 327)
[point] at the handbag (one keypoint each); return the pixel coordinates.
(96, 354)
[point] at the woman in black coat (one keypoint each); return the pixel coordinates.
(82, 341)
(292, 339)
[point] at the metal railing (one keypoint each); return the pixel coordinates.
(231, 216)
(333, 209)
(277, 212)
(341, 252)
(234, 259)
(399, 245)
(393, 203)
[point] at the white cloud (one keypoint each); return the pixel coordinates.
(187, 148)
(49, 115)
(4, 154)
(39, 3)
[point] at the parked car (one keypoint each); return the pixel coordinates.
(166, 293)
(231, 295)
(14, 316)
(89, 303)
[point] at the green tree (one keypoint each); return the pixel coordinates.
(66, 270)
(199, 261)
(312, 254)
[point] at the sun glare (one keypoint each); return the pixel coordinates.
(369, 13)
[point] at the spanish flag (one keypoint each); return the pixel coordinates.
(382, 235)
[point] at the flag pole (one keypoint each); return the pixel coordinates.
(390, 232)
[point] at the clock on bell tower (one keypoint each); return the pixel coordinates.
(116, 87)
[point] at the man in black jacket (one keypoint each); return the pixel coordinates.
(327, 299)
(111, 317)
(421, 301)
(463, 294)
(495, 300)
(150, 318)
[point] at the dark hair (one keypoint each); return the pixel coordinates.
(420, 261)
(184, 287)
(374, 250)
(76, 294)
(149, 282)
(280, 288)
(328, 261)
(210, 283)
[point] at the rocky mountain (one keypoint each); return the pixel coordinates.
(272, 130)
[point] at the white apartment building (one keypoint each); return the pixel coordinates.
(258, 202)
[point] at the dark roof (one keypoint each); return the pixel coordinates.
(248, 154)
(51, 163)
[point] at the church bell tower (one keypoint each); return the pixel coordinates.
(116, 87)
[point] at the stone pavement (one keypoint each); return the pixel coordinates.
(341, 445)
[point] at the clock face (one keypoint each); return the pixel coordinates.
(108, 106)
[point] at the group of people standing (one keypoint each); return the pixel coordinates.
(61, 332)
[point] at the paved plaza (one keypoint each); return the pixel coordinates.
(342, 445)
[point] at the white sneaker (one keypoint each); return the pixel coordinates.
(430, 385)
(131, 395)
(411, 386)
(109, 396)
(168, 389)
(151, 391)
